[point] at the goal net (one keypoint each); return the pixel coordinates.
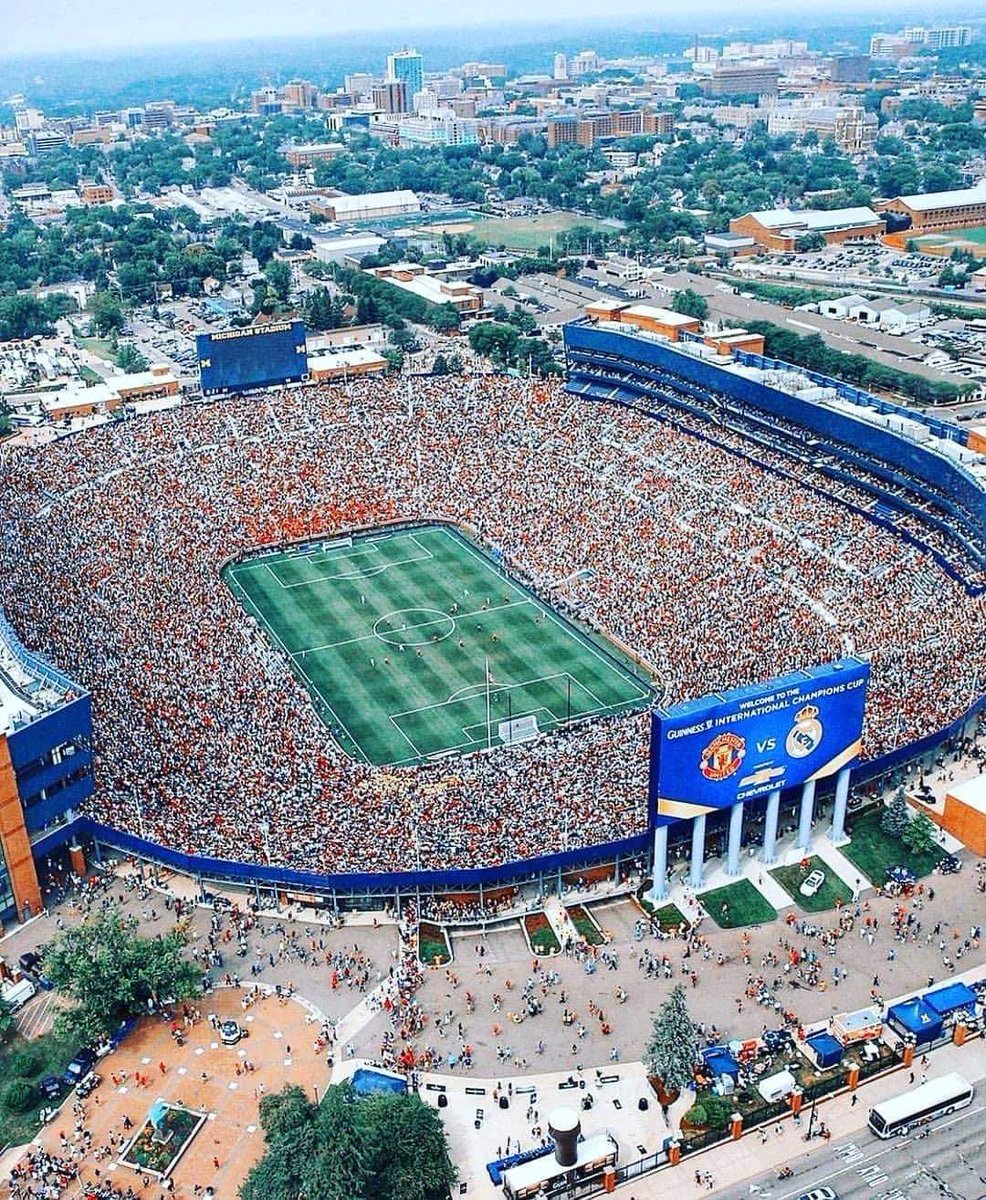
(520, 729)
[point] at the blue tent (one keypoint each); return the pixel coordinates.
(915, 1017)
(720, 1061)
(366, 1081)
(951, 998)
(827, 1051)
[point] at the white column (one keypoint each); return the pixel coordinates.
(770, 827)
(735, 839)
(807, 811)
(698, 851)
(659, 891)
(837, 831)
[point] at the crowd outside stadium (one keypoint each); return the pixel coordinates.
(714, 571)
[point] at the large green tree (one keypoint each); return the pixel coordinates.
(111, 973)
(672, 1051)
(919, 836)
(379, 1147)
(896, 816)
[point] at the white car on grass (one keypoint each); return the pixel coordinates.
(812, 883)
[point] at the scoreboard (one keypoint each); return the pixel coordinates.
(236, 360)
(714, 751)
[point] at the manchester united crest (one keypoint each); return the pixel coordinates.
(723, 756)
(806, 736)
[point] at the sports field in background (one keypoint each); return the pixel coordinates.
(962, 239)
(392, 633)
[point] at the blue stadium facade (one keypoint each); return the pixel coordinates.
(46, 768)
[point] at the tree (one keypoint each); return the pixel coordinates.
(106, 312)
(691, 304)
(440, 365)
(278, 275)
(919, 836)
(672, 1051)
(445, 319)
(7, 1020)
(377, 1147)
(896, 816)
(111, 973)
(129, 358)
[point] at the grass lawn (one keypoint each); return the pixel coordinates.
(528, 233)
(393, 632)
(30, 1061)
(585, 926)
(101, 347)
(873, 851)
(541, 934)
(88, 375)
(669, 916)
(744, 905)
(832, 892)
(432, 944)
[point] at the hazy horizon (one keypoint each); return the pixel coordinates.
(53, 27)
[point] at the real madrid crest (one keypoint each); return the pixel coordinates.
(806, 736)
(722, 756)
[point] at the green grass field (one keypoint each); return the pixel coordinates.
(975, 236)
(737, 904)
(527, 233)
(391, 633)
(832, 892)
(872, 850)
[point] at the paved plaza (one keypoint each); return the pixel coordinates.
(594, 1021)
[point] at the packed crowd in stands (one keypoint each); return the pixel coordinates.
(714, 571)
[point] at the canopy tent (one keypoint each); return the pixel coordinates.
(916, 1018)
(951, 998)
(826, 1049)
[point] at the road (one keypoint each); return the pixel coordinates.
(950, 1161)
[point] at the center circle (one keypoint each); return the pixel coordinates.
(414, 627)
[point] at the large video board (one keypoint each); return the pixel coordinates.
(236, 360)
(711, 752)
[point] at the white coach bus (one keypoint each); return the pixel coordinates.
(936, 1098)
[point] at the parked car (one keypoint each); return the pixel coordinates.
(51, 1087)
(231, 1032)
(949, 865)
(901, 875)
(812, 883)
(79, 1067)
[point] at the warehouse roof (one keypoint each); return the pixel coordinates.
(955, 199)
(815, 218)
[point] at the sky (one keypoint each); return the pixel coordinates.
(40, 26)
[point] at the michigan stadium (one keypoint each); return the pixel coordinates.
(436, 633)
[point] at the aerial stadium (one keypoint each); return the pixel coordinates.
(442, 635)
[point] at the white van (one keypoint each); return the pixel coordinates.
(18, 994)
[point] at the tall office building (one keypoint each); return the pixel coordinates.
(560, 70)
(405, 67)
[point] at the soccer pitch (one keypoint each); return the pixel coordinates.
(412, 643)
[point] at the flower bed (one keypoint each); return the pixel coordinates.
(157, 1151)
(540, 934)
(433, 945)
(585, 925)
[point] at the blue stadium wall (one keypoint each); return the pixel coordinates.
(52, 758)
(648, 364)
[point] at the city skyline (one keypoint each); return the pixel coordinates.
(54, 26)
